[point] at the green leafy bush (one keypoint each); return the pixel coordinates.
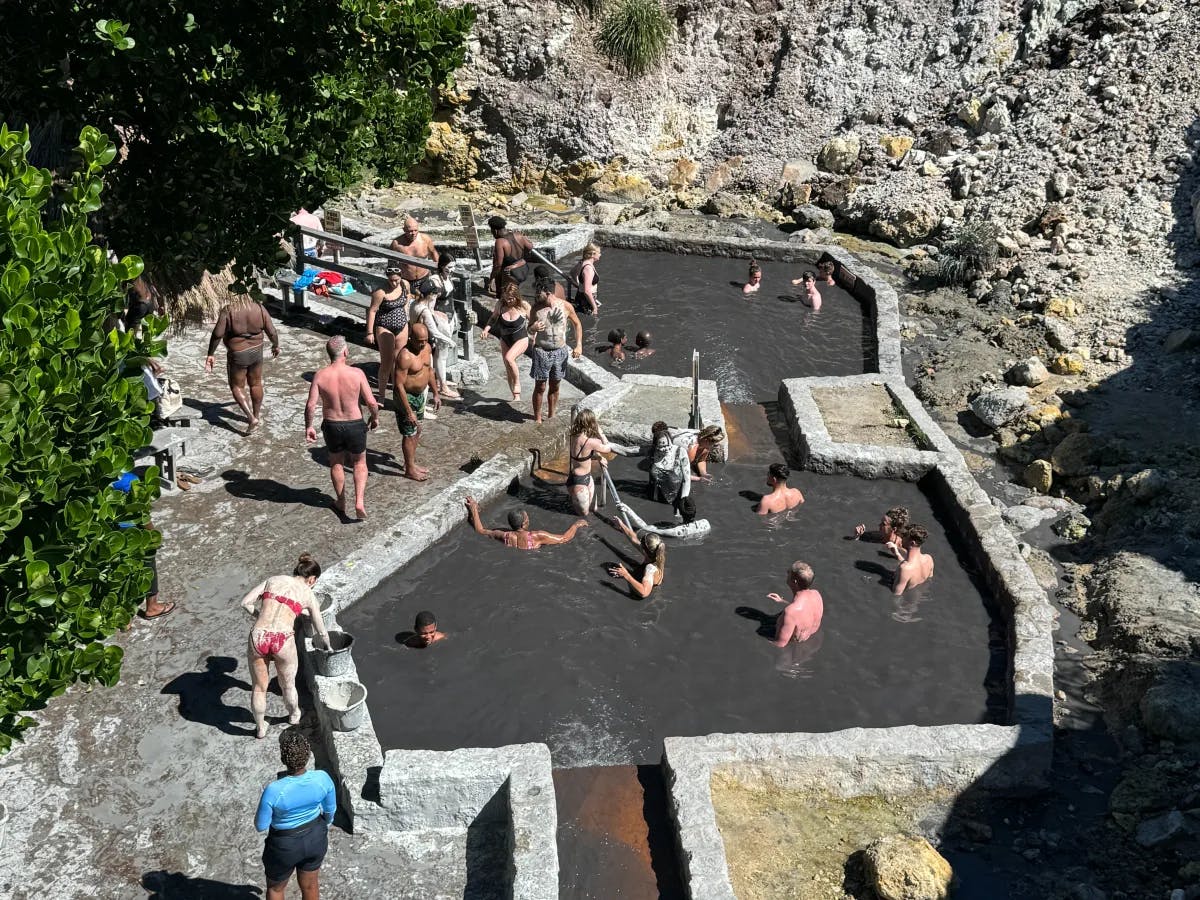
(70, 417)
(232, 116)
(634, 35)
(970, 254)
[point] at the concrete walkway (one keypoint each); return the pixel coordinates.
(149, 788)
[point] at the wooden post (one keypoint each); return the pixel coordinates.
(470, 232)
(696, 422)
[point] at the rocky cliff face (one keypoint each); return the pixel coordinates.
(746, 86)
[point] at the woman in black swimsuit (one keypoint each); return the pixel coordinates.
(387, 325)
(585, 444)
(584, 278)
(508, 253)
(511, 318)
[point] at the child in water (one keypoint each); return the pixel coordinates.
(811, 295)
(753, 279)
(616, 338)
(644, 349)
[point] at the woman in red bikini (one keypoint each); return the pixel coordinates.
(283, 598)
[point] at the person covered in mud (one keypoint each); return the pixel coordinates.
(642, 341)
(414, 376)
(519, 536)
(801, 618)
(782, 497)
(654, 554)
(917, 567)
(699, 446)
(616, 345)
(425, 631)
(890, 526)
(753, 279)
(811, 295)
(670, 470)
(691, 527)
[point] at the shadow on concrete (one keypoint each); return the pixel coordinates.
(240, 484)
(225, 415)
(491, 408)
(163, 885)
(201, 697)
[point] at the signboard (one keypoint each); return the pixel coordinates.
(333, 222)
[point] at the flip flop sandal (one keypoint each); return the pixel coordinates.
(190, 478)
(182, 483)
(170, 608)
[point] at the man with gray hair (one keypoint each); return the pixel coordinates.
(342, 390)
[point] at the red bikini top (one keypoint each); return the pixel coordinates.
(286, 601)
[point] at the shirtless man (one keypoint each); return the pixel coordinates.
(890, 526)
(413, 243)
(917, 567)
(801, 619)
(519, 537)
(413, 376)
(425, 631)
(781, 497)
(342, 390)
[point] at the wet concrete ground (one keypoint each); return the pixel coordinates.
(746, 345)
(149, 788)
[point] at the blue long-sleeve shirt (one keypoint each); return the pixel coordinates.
(296, 799)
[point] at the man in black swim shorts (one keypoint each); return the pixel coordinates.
(342, 390)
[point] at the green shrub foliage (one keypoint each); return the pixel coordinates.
(634, 35)
(72, 410)
(232, 115)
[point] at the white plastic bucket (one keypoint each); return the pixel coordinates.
(347, 704)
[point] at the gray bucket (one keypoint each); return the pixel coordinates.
(335, 662)
(325, 602)
(347, 704)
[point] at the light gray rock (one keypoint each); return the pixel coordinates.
(997, 120)
(1060, 335)
(810, 216)
(1161, 829)
(604, 213)
(997, 408)
(1030, 372)
(1024, 518)
(840, 153)
(1171, 707)
(1144, 607)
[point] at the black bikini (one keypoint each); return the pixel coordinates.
(574, 480)
(511, 332)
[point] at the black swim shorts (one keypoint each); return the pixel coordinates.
(300, 848)
(345, 437)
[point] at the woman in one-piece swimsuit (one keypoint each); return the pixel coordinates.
(511, 320)
(387, 325)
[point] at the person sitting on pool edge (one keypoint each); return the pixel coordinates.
(890, 526)
(642, 342)
(690, 527)
(917, 567)
(519, 536)
(425, 631)
(654, 553)
(753, 279)
(781, 497)
(616, 338)
(801, 619)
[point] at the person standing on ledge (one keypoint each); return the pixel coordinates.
(342, 389)
(414, 375)
(413, 243)
(548, 324)
(520, 537)
(801, 618)
(295, 811)
(508, 254)
(425, 631)
(781, 497)
(917, 567)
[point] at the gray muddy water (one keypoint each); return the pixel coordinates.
(545, 646)
(746, 345)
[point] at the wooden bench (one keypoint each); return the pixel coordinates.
(286, 284)
(167, 448)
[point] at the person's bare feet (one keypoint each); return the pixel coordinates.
(339, 506)
(360, 512)
(294, 718)
(417, 473)
(261, 732)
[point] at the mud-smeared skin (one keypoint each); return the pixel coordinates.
(544, 646)
(746, 345)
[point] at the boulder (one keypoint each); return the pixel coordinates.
(999, 407)
(1161, 829)
(1073, 456)
(997, 120)
(1022, 518)
(896, 145)
(730, 205)
(900, 867)
(810, 216)
(840, 154)
(1181, 339)
(1145, 607)
(1067, 364)
(1059, 334)
(615, 186)
(971, 112)
(1171, 707)
(797, 172)
(1038, 475)
(1030, 373)
(606, 214)
(904, 209)
(683, 173)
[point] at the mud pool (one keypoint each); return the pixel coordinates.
(544, 646)
(696, 302)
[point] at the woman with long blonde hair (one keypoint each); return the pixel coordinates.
(585, 279)
(511, 318)
(585, 444)
(654, 555)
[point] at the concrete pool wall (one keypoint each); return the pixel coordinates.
(1003, 758)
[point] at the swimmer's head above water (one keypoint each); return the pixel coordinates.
(616, 337)
(654, 547)
(425, 630)
(914, 535)
(518, 519)
(644, 339)
(893, 522)
(800, 576)
(778, 473)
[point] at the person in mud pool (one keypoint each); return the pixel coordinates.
(642, 341)
(425, 631)
(519, 536)
(917, 567)
(781, 496)
(801, 618)
(753, 279)
(890, 526)
(811, 295)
